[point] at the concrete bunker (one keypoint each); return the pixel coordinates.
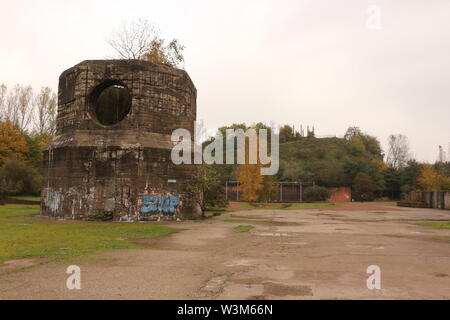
(110, 159)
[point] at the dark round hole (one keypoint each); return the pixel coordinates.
(112, 104)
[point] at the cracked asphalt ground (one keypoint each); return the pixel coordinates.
(289, 254)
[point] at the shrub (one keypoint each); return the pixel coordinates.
(363, 188)
(316, 193)
(25, 179)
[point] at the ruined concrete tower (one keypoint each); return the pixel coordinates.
(110, 159)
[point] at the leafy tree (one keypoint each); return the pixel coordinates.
(250, 181)
(372, 145)
(330, 174)
(19, 178)
(409, 177)
(12, 142)
(316, 193)
(363, 188)
(206, 190)
(171, 54)
(428, 178)
(268, 189)
(378, 175)
(36, 144)
(356, 146)
(357, 139)
(286, 133)
(393, 182)
(433, 180)
(295, 172)
(8, 187)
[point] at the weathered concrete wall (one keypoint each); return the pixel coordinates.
(121, 171)
(432, 199)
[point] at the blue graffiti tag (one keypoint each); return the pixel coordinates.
(159, 204)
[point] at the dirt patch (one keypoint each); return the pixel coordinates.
(317, 275)
(282, 290)
(250, 281)
(17, 264)
(440, 275)
(287, 223)
(301, 257)
(236, 207)
(365, 206)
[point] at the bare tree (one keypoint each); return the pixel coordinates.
(18, 108)
(46, 108)
(132, 40)
(352, 132)
(3, 91)
(140, 40)
(398, 153)
(11, 110)
(25, 107)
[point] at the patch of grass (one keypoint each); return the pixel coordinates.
(243, 228)
(23, 235)
(311, 205)
(438, 225)
(31, 198)
(210, 214)
(246, 205)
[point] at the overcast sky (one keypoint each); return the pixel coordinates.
(310, 62)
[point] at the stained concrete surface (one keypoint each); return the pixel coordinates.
(293, 254)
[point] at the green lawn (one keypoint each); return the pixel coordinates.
(243, 228)
(25, 236)
(312, 205)
(32, 198)
(246, 205)
(439, 225)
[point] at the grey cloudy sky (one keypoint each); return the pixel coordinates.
(310, 62)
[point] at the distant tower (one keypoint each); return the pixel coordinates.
(442, 156)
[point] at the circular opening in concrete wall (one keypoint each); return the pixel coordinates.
(111, 102)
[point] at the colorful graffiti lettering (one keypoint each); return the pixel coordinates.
(167, 204)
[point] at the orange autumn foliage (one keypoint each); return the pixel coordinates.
(12, 142)
(249, 175)
(250, 181)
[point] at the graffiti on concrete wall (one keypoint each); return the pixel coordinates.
(52, 200)
(166, 204)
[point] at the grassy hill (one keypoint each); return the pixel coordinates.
(328, 161)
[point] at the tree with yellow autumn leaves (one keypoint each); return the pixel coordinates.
(431, 179)
(252, 185)
(12, 142)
